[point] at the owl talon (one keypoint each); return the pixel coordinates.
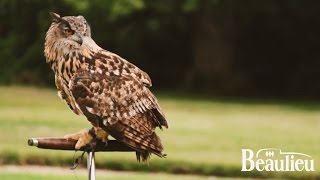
(84, 137)
(88, 137)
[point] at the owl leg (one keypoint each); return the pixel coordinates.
(101, 134)
(87, 137)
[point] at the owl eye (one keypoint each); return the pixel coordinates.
(68, 32)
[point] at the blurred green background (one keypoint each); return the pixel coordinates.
(262, 48)
(229, 75)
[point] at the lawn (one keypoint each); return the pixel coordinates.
(29, 176)
(51, 173)
(205, 137)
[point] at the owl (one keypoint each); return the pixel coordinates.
(112, 93)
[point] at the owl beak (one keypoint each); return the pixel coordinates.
(77, 38)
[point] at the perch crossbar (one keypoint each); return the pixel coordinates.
(69, 144)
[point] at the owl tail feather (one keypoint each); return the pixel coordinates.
(144, 152)
(150, 145)
(144, 144)
(145, 156)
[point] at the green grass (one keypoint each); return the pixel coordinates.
(23, 176)
(131, 176)
(20, 176)
(68, 174)
(205, 135)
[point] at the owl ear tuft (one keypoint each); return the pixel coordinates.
(55, 17)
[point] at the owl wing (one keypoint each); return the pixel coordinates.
(111, 64)
(122, 106)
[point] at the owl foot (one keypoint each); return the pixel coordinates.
(83, 138)
(101, 134)
(87, 137)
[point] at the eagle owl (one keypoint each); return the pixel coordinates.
(112, 93)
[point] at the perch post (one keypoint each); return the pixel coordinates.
(91, 165)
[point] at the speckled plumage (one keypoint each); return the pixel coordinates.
(111, 92)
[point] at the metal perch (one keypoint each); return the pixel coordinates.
(69, 144)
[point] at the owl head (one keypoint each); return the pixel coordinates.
(69, 28)
(65, 34)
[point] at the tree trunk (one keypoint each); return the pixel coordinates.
(212, 47)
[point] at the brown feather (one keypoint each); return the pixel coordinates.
(110, 105)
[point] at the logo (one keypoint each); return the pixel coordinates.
(272, 159)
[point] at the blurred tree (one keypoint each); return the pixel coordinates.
(222, 47)
(213, 43)
(22, 33)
